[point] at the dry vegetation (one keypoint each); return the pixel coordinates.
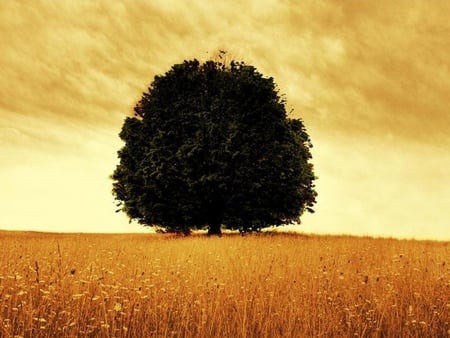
(77, 285)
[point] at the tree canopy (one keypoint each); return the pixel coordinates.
(210, 146)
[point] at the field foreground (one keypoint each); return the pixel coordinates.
(284, 285)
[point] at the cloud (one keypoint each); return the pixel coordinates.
(374, 67)
(393, 70)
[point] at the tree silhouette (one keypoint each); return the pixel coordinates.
(210, 146)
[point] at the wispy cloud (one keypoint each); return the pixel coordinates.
(377, 66)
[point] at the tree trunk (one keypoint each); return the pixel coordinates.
(215, 229)
(186, 231)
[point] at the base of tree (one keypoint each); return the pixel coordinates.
(186, 232)
(215, 230)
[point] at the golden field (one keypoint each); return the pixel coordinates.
(266, 285)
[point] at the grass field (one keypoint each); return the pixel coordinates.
(284, 285)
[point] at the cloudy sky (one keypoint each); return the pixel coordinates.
(370, 79)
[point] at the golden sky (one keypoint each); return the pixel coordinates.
(371, 80)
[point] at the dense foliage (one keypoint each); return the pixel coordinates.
(210, 146)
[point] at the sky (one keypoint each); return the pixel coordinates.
(370, 79)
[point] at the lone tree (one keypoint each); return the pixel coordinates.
(210, 146)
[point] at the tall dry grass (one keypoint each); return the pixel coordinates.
(79, 285)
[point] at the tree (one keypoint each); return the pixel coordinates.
(210, 146)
